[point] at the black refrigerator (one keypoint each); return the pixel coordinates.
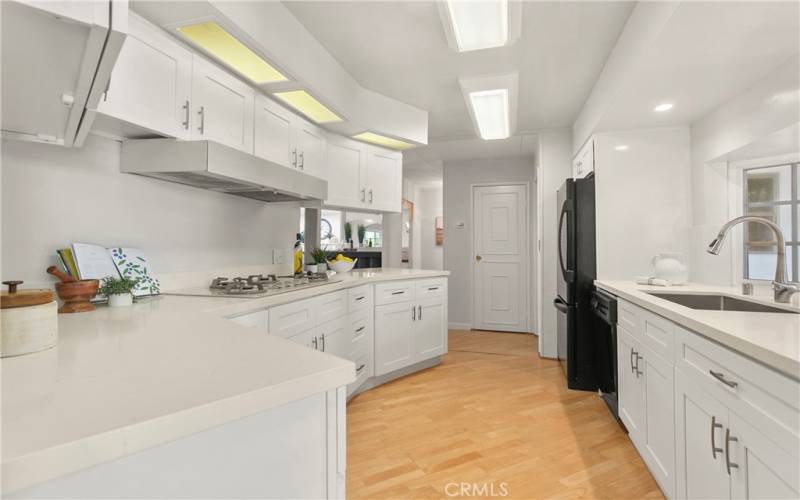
(577, 270)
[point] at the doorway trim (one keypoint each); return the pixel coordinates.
(528, 266)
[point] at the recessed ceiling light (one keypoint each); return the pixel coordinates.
(478, 25)
(663, 107)
(491, 113)
(212, 38)
(305, 103)
(382, 140)
(621, 147)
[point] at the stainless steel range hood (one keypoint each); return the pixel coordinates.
(210, 165)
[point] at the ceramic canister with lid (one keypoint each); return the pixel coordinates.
(28, 320)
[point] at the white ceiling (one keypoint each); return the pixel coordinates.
(398, 49)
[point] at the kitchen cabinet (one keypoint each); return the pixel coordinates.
(334, 337)
(430, 329)
(347, 166)
(222, 106)
(309, 145)
(150, 85)
(631, 386)
(393, 333)
(583, 163)
(384, 180)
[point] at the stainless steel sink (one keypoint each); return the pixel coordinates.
(718, 303)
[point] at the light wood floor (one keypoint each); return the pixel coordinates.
(492, 412)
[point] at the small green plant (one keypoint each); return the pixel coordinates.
(361, 232)
(319, 255)
(117, 286)
(348, 232)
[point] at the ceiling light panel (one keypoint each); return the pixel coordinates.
(382, 140)
(490, 108)
(212, 38)
(663, 107)
(478, 24)
(305, 103)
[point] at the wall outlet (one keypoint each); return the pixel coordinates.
(280, 256)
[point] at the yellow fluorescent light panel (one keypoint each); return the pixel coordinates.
(382, 140)
(305, 103)
(211, 37)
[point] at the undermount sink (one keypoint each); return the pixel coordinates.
(718, 303)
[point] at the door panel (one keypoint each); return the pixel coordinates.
(384, 181)
(501, 263)
(430, 329)
(273, 132)
(393, 333)
(631, 389)
(347, 174)
(659, 442)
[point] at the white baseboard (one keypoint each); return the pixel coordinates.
(459, 326)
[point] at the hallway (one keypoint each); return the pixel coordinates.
(495, 417)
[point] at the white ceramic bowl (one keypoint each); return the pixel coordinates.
(341, 266)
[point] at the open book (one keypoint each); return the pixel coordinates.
(97, 262)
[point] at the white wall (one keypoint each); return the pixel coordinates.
(643, 199)
(553, 166)
(768, 106)
(459, 176)
(428, 206)
(53, 196)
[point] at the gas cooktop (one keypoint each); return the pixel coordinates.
(256, 285)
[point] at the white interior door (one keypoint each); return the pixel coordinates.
(500, 264)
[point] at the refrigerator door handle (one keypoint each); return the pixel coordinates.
(560, 304)
(567, 273)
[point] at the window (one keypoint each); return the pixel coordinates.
(771, 193)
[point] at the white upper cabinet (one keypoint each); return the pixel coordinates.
(583, 164)
(384, 180)
(347, 165)
(60, 55)
(222, 106)
(273, 132)
(309, 144)
(151, 83)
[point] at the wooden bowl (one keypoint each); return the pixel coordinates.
(77, 295)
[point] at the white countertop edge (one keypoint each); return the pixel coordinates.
(775, 361)
(35, 468)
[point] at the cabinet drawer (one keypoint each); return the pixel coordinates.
(658, 334)
(331, 306)
(430, 288)
(764, 397)
(359, 298)
(293, 318)
(394, 292)
(359, 330)
(363, 372)
(629, 317)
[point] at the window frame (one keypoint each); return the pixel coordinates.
(792, 240)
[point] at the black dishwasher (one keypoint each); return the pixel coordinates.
(604, 307)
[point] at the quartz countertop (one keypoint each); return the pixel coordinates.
(121, 380)
(772, 339)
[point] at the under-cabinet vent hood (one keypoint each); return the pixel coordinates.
(213, 166)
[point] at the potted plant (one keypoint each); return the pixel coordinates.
(362, 231)
(118, 290)
(348, 233)
(320, 258)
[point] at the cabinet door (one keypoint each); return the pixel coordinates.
(763, 469)
(631, 385)
(700, 423)
(273, 132)
(222, 107)
(334, 338)
(393, 330)
(347, 165)
(151, 82)
(310, 145)
(309, 338)
(384, 180)
(658, 443)
(430, 329)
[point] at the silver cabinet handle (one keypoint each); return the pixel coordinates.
(721, 377)
(420, 312)
(401, 292)
(323, 343)
(363, 195)
(370, 196)
(360, 298)
(185, 108)
(314, 343)
(358, 370)
(728, 464)
(294, 157)
(360, 329)
(638, 373)
(302, 161)
(714, 427)
(202, 113)
(633, 370)
(430, 289)
(413, 313)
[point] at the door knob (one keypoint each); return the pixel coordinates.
(478, 258)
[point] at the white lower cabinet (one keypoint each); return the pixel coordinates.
(393, 330)
(430, 329)
(707, 421)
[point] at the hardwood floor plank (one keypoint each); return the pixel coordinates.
(491, 413)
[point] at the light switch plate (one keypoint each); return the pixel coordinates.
(280, 256)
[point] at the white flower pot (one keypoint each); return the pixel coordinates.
(312, 268)
(120, 300)
(322, 267)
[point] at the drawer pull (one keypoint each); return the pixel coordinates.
(633, 369)
(433, 288)
(721, 377)
(728, 464)
(360, 329)
(413, 313)
(358, 370)
(314, 343)
(714, 427)
(638, 358)
(401, 292)
(360, 298)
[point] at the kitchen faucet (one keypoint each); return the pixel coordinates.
(783, 289)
